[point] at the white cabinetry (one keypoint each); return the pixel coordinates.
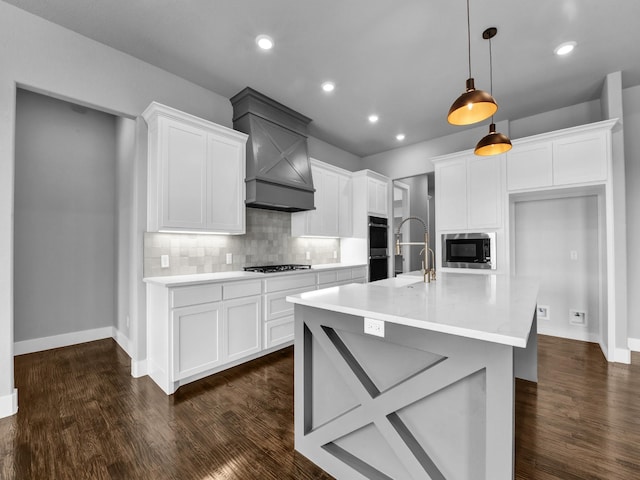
(332, 216)
(196, 173)
(195, 330)
(278, 313)
(370, 197)
(469, 192)
(377, 196)
(579, 155)
(197, 335)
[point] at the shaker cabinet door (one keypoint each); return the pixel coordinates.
(196, 345)
(183, 160)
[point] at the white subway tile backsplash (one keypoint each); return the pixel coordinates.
(267, 241)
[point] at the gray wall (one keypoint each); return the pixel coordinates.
(325, 152)
(65, 228)
(125, 174)
(546, 231)
(631, 102)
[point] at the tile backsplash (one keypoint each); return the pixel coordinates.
(268, 241)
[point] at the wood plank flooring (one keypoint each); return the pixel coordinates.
(82, 416)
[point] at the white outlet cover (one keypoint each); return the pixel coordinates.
(544, 312)
(229, 258)
(308, 255)
(374, 327)
(164, 261)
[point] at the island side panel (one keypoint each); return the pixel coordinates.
(526, 359)
(448, 413)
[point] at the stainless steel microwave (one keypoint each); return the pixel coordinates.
(469, 250)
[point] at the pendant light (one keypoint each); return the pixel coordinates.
(473, 106)
(495, 143)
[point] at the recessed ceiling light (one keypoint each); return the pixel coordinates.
(265, 42)
(565, 48)
(400, 137)
(373, 118)
(328, 86)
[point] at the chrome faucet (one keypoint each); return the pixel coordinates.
(428, 268)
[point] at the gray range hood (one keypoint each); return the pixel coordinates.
(278, 167)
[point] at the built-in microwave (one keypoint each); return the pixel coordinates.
(469, 250)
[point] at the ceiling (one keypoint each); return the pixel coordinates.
(404, 60)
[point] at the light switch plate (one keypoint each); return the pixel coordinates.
(164, 261)
(229, 258)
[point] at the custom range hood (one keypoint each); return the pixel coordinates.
(278, 167)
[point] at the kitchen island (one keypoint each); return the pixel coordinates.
(400, 379)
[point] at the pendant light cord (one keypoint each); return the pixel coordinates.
(490, 73)
(469, 37)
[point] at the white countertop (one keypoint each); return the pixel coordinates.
(197, 278)
(495, 308)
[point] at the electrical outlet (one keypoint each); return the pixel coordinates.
(164, 261)
(544, 312)
(374, 327)
(576, 317)
(307, 255)
(229, 258)
(573, 254)
(335, 254)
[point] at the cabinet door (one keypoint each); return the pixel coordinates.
(377, 197)
(345, 210)
(196, 343)
(183, 159)
(330, 211)
(529, 166)
(226, 166)
(242, 328)
(485, 192)
(580, 158)
(451, 195)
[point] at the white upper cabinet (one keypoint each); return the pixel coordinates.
(332, 216)
(530, 166)
(196, 172)
(469, 192)
(377, 195)
(579, 155)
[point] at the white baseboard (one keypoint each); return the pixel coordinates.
(622, 355)
(634, 344)
(582, 336)
(139, 368)
(64, 340)
(122, 340)
(9, 404)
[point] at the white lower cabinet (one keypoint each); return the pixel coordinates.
(197, 330)
(242, 321)
(278, 313)
(197, 334)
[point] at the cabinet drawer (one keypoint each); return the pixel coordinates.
(276, 305)
(358, 273)
(195, 295)
(278, 332)
(242, 289)
(327, 277)
(289, 282)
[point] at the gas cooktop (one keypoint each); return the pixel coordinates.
(276, 268)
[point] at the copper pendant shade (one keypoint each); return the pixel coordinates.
(473, 105)
(493, 144)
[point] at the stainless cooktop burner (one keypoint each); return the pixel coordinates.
(276, 268)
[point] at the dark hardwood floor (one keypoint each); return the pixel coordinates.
(82, 416)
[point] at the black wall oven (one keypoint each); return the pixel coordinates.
(469, 250)
(378, 248)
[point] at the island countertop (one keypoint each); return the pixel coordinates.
(494, 308)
